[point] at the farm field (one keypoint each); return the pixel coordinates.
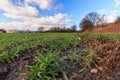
(60, 56)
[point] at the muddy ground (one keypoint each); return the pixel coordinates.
(14, 67)
(108, 69)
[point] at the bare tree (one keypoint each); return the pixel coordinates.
(117, 20)
(84, 24)
(102, 21)
(92, 17)
(74, 27)
(55, 29)
(41, 29)
(90, 20)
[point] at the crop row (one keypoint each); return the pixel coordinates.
(13, 44)
(57, 54)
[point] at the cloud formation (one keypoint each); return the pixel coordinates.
(117, 3)
(110, 16)
(34, 23)
(43, 4)
(30, 15)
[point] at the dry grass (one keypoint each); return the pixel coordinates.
(112, 27)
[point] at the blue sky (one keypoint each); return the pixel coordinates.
(78, 9)
(19, 13)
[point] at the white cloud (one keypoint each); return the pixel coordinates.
(34, 23)
(110, 16)
(30, 15)
(103, 11)
(43, 4)
(117, 3)
(11, 9)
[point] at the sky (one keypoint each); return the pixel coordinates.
(31, 14)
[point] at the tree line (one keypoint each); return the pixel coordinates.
(91, 20)
(73, 28)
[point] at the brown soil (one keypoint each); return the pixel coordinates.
(13, 69)
(109, 68)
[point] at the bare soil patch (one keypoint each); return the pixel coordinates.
(13, 69)
(109, 68)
